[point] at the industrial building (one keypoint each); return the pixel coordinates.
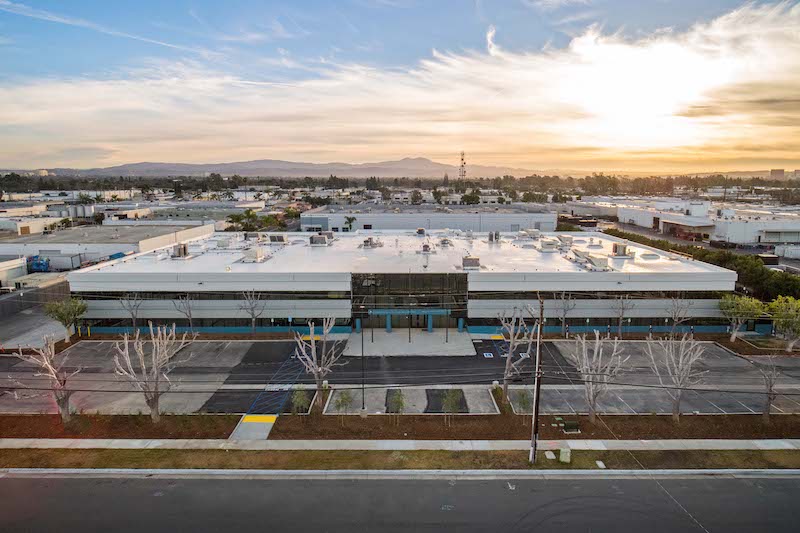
(507, 218)
(91, 243)
(405, 279)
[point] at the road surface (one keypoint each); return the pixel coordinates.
(236, 505)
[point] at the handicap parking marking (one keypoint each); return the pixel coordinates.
(488, 355)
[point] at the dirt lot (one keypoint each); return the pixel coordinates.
(117, 427)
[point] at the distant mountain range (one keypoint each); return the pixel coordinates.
(409, 167)
(416, 167)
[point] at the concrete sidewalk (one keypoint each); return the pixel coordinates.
(401, 445)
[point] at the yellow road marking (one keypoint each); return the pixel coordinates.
(269, 419)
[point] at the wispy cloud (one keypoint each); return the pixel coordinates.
(49, 16)
(709, 96)
(550, 5)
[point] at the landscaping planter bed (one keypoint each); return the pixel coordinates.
(513, 427)
(118, 427)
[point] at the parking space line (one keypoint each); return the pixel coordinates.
(626, 404)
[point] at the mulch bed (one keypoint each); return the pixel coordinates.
(508, 426)
(117, 427)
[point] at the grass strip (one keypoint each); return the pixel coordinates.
(395, 460)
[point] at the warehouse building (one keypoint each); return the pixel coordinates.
(405, 279)
(507, 218)
(92, 243)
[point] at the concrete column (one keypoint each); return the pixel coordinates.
(358, 325)
(388, 323)
(460, 325)
(430, 323)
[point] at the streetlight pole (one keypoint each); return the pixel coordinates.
(537, 384)
(363, 388)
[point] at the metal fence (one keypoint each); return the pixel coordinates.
(17, 301)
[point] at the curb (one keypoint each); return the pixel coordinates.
(390, 474)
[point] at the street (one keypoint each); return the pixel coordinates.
(225, 504)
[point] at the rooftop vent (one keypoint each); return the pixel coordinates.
(277, 239)
(420, 231)
(470, 263)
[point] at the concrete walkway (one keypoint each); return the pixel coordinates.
(401, 445)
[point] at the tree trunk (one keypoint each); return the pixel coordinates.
(619, 328)
(68, 338)
(767, 407)
(734, 332)
(320, 404)
(676, 406)
(790, 344)
(152, 403)
(592, 415)
(253, 325)
(62, 401)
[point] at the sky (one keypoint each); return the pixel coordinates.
(663, 86)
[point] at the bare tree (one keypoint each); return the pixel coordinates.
(678, 313)
(621, 306)
(318, 357)
(675, 359)
(184, 306)
(51, 366)
(517, 333)
(599, 362)
(152, 360)
(131, 303)
(253, 305)
(565, 306)
(770, 373)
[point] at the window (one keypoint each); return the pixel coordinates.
(367, 226)
(344, 230)
(335, 229)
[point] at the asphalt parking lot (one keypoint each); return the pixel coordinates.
(231, 377)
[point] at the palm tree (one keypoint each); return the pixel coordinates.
(348, 221)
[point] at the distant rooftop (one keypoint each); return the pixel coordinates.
(98, 235)
(422, 209)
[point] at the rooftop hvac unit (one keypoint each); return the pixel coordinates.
(224, 243)
(619, 250)
(491, 236)
(533, 233)
(445, 242)
(254, 255)
(548, 246)
(181, 251)
(318, 240)
(426, 248)
(470, 263)
(565, 239)
(421, 231)
(371, 242)
(277, 239)
(328, 235)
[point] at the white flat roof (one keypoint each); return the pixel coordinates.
(516, 262)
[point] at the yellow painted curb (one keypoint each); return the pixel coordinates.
(498, 338)
(308, 337)
(268, 419)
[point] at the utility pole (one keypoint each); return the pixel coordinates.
(537, 383)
